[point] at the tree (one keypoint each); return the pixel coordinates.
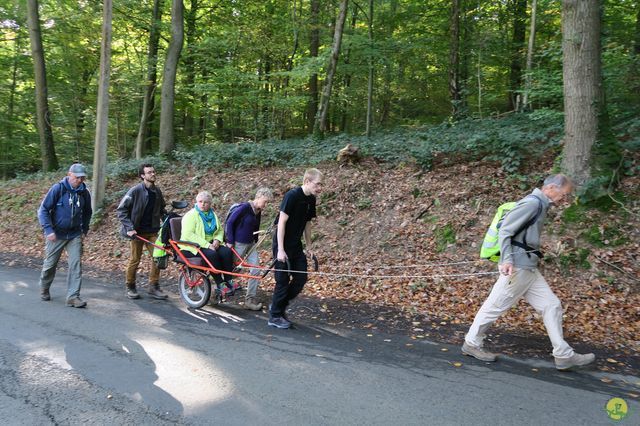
(321, 120)
(370, 80)
(530, 48)
(167, 134)
(454, 59)
(314, 46)
(189, 117)
(519, 10)
(102, 113)
(148, 102)
(47, 147)
(586, 119)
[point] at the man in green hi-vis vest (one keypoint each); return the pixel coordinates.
(519, 276)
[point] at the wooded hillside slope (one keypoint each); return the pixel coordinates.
(377, 219)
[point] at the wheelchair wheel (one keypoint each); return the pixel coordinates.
(195, 287)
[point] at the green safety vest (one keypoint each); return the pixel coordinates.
(490, 246)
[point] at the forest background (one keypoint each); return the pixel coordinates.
(486, 95)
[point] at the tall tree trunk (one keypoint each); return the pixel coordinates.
(517, 45)
(204, 108)
(454, 59)
(386, 96)
(190, 70)
(148, 102)
(47, 147)
(344, 107)
(635, 68)
(6, 144)
(636, 47)
(314, 46)
(583, 93)
(102, 113)
(467, 30)
(12, 90)
(530, 49)
(321, 122)
(285, 112)
(370, 81)
(80, 107)
(167, 134)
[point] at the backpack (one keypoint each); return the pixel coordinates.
(161, 257)
(233, 208)
(490, 245)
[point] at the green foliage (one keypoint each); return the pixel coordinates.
(575, 213)
(245, 72)
(604, 236)
(123, 169)
(444, 236)
(509, 140)
(574, 258)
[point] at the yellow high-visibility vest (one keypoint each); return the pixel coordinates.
(490, 245)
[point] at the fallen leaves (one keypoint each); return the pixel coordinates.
(394, 235)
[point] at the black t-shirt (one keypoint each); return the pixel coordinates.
(147, 215)
(301, 209)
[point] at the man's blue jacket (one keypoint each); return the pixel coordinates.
(65, 210)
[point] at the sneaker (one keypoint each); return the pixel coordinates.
(157, 293)
(279, 322)
(478, 353)
(250, 303)
(132, 293)
(76, 302)
(44, 294)
(576, 360)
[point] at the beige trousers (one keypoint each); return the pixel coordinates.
(531, 285)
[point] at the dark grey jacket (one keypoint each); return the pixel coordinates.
(514, 220)
(132, 206)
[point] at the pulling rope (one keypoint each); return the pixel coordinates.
(384, 276)
(343, 275)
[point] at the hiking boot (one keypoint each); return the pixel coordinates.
(576, 360)
(279, 322)
(76, 302)
(157, 293)
(478, 353)
(132, 293)
(250, 303)
(44, 294)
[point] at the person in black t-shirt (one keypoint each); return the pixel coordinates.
(297, 210)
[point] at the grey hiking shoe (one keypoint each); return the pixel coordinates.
(156, 292)
(279, 322)
(44, 294)
(576, 360)
(251, 304)
(132, 293)
(478, 353)
(76, 302)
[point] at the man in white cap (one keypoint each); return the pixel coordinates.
(65, 214)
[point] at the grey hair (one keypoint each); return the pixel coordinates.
(264, 192)
(558, 180)
(204, 196)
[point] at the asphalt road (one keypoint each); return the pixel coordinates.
(152, 362)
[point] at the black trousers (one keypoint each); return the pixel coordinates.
(221, 259)
(288, 286)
